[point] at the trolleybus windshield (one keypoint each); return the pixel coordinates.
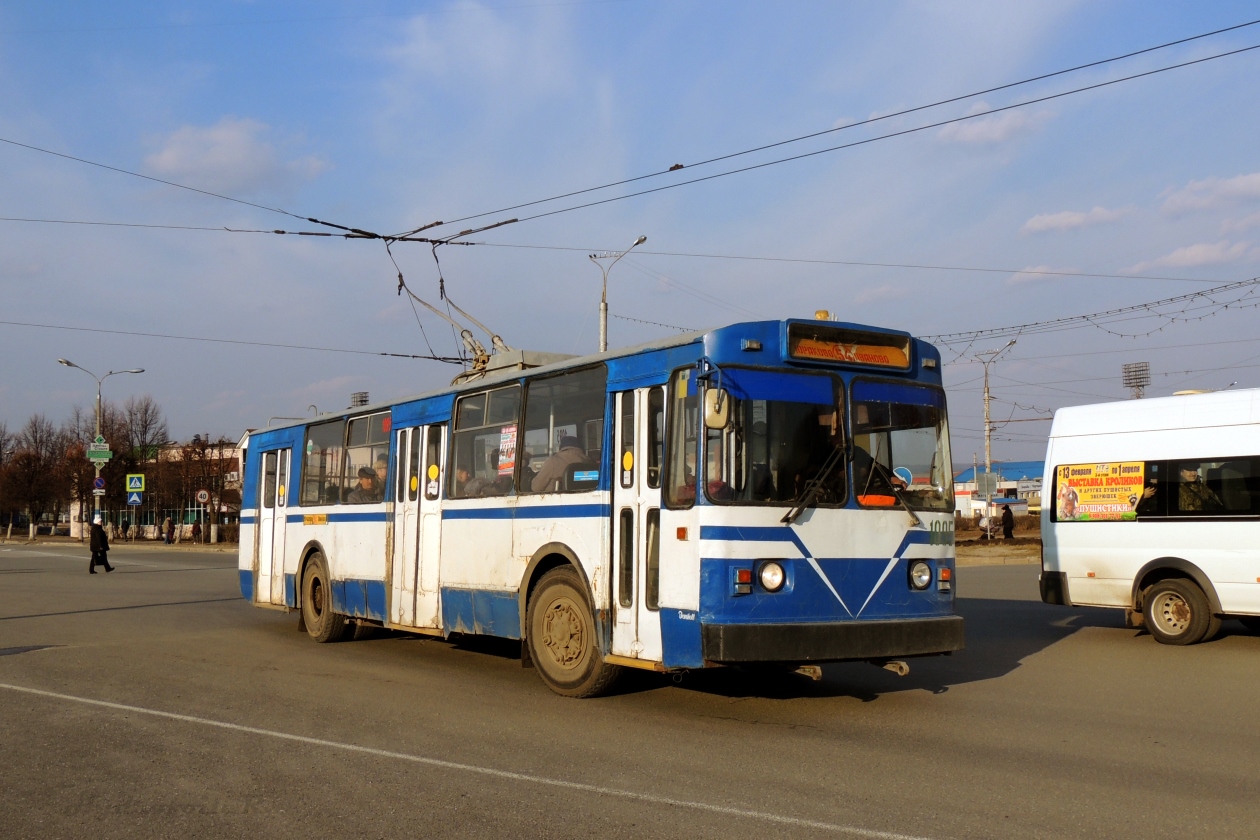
(901, 446)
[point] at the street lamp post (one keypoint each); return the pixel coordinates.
(603, 298)
(987, 358)
(96, 499)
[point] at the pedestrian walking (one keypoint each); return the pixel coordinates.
(1008, 523)
(126, 527)
(196, 532)
(99, 545)
(168, 528)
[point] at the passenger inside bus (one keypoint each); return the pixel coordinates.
(368, 491)
(553, 469)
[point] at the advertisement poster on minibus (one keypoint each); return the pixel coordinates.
(1099, 492)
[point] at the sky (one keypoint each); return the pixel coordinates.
(386, 115)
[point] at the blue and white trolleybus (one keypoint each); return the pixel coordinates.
(767, 492)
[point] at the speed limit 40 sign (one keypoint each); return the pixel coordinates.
(203, 496)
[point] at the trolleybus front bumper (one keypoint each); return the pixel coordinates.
(832, 641)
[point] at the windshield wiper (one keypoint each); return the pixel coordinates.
(898, 492)
(810, 491)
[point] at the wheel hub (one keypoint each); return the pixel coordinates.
(563, 633)
(1173, 613)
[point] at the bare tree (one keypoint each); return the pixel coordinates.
(34, 477)
(7, 503)
(145, 427)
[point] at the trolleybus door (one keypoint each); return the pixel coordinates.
(428, 608)
(407, 488)
(271, 510)
(636, 524)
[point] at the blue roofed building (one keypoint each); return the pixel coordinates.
(1018, 485)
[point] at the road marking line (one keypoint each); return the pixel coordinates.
(484, 771)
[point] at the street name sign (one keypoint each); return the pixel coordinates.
(97, 455)
(135, 481)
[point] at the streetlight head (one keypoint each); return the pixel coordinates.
(640, 240)
(1009, 343)
(134, 370)
(66, 362)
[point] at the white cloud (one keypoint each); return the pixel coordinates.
(1070, 219)
(987, 131)
(233, 155)
(1245, 223)
(1036, 274)
(1204, 253)
(1213, 193)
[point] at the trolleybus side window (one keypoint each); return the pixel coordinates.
(684, 430)
(269, 480)
(656, 436)
(483, 447)
(564, 432)
(367, 459)
(432, 462)
(321, 466)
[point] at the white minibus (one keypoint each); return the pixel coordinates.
(1153, 506)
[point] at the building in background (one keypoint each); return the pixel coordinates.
(1019, 485)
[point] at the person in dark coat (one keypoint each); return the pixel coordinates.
(1008, 523)
(99, 545)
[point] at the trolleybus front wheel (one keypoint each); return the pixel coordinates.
(561, 637)
(322, 623)
(1177, 613)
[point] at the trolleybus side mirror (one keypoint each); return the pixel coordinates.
(717, 408)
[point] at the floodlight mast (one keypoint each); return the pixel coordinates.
(1136, 377)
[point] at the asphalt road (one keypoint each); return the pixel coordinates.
(153, 702)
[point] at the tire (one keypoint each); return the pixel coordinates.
(322, 623)
(561, 637)
(1177, 612)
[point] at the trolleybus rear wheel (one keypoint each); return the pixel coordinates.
(322, 623)
(1177, 612)
(561, 637)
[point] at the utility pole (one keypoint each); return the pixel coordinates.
(987, 358)
(98, 462)
(603, 298)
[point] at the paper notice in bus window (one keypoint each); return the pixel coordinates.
(507, 450)
(1099, 492)
(860, 354)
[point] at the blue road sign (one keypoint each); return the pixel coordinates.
(135, 481)
(98, 484)
(135, 498)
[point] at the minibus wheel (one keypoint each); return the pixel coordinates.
(322, 623)
(561, 637)
(1177, 612)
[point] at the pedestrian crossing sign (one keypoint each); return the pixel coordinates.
(135, 482)
(135, 498)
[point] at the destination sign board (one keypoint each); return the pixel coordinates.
(816, 343)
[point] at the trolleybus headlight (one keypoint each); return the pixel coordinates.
(920, 574)
(772, 576)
